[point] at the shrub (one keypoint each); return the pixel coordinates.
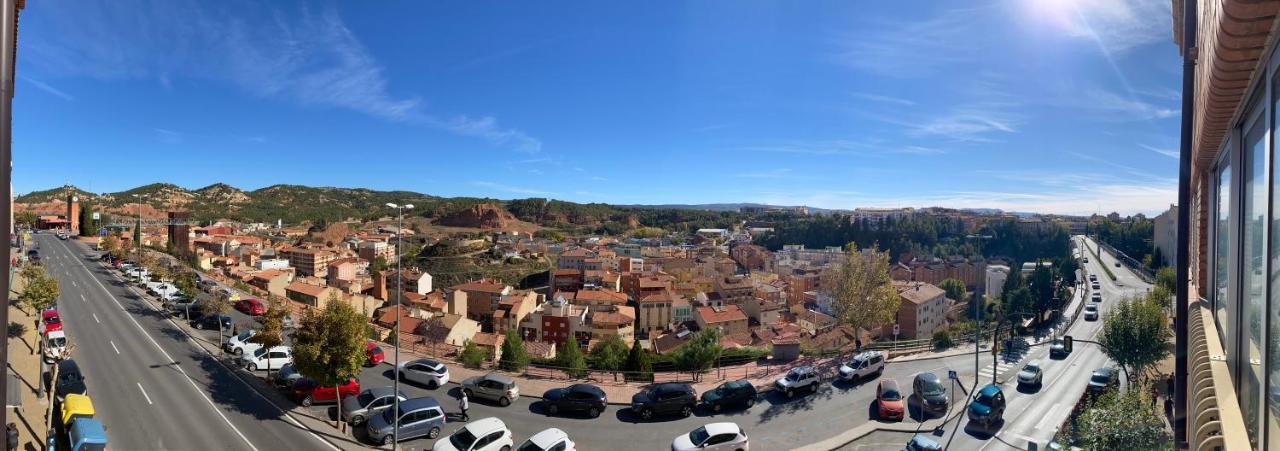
(942, 340)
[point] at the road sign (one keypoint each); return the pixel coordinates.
(951, 374)
(102, 232)
(97, 216)
(896, 330)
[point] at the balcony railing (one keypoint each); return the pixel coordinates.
(1215, 421)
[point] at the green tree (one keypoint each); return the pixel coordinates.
(329, 345)
(392, 337)
(955, 289)
(1017, 305)
(88, 227)
(609, 354)
(700, 352)
(638, 363)
(378, 264)
(26, 217)
(41, 291)
(185, 281)
(272, 332)
(471, 355)
(215, 304)
(110, 244)
(1168, 278)
(514, 356)
(861, 291)
(1043, 290)
(1065, 269)
(569, 359)
(1122, 420)
(1135, 334)
(942, 339)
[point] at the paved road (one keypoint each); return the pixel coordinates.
(152, 388)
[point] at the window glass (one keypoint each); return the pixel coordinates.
(1222, 248)
(1252, 288)
(1273, 359)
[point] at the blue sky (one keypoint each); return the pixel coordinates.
(1064, 106)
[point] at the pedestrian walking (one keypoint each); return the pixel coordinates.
(1155, 394)
(463, 405)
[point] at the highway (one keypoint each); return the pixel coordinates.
(152, 388)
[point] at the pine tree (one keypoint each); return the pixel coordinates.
(569, 359)
(514, 356)
(638, 364)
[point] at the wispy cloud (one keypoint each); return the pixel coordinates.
(46, 88)
(909, 48)
(884, 99)
(299, 55)
(1171, 153)
(1116, 26)
(868, 147)
(511, 189)
(973, 123)
(1110, 106)
(168, 136)
(776, 174)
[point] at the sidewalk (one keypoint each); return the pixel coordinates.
(24, 361)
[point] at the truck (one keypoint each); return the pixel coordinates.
(83, 431)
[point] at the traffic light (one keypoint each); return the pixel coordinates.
(1066, 343)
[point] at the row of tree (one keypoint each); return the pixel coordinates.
(1132, 236)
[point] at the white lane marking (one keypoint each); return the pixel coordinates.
(144, 393)
(171, 359)
(1041, 424)
(95, 318)
(82, 299)
(113, 346)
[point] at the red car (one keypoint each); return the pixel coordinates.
(373, 353)
(49, 320)
(889, 403)
(307, 392)
(251, 306)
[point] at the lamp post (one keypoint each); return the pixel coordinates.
(395, 408)
(137, 243)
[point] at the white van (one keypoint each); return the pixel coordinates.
(54, 345)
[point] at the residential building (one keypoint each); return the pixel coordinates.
(729, 319)
(1165, 239)
(813, 322)
(681, 310)
(922, 312)
(735, 290)
(996, 275)
(574, 258)
(371, 249)
(568, 279)
(308, 262)
(411, 280)
(272, 281)
(311, 295)
(875, 216)
(612, 320)
(454, 329)
(655, 311)
(557, 321)
(597, 298)
(482, 298)
(608, 280)
(513, 308)
(763, 311)
(343, 270)
(271, 263)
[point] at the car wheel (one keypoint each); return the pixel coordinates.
(357, 420)
(686, 411)
(716, 408)
(306, 402)
(502, 401)
(791, 392)
(253, 367)
(467, 391)
(553, 409)
(751, 402)
(433, 385)
(237, 351)
(433, 433)
(506, 448)
(386, 440)
(593, 412)
(646, 414)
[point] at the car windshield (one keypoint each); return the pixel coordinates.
(932, 387)
(57, 342)
(528, 445)
(793, 375)
(983, 399)
(1099, 378)
(1031, 368)
(244, 335)
(699, 435)
(462, 439)
(890, 393)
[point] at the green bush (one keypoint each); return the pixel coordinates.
(942, 340)
(472, 356)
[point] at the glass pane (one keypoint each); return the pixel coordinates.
(1253, 266)
(1222, 248)
(1273, 359)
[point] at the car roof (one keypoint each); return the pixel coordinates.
(673, 386)
(928, 377)
(485, 426)
(379, 392)
(1034, 362)
(56, 333)
(68, 365)
(803, 369)
(428, 362)
(418, 403)
(1104, 371)
(499, 378)
(989, 390)
(586, 388)
(740, 383)
(889, 383)
(548, 437)
(722, 428)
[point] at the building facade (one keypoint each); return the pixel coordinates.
(1165, 239)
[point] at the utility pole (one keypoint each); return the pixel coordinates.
(8, 56)
(395, 399)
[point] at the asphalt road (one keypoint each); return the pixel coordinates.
(151, 387)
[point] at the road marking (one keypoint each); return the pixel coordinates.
(144, 393)
(82, 299)
(1040, 425)
(95, 318)
(113, 346)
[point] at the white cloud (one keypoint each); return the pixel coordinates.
(46, 88)
(1108, 105)
(1171, 153)
(974, 123)
(909, 48)
(1115, 25)
(511, 189)
(884, 99)
(776, 174)
(488, 129)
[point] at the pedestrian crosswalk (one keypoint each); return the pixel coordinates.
(986, 372)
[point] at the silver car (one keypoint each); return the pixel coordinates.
(370, 402)
(1031, 374)
(427, 372)
(492, 386)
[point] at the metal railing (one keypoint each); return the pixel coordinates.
(1215, 420)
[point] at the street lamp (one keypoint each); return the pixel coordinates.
(138, 241)
(395, 408)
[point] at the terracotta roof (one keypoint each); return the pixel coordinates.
(483, 287)
(668, 342)
(611, 318)
(539, 349)
(576, 252)
(306, 288)
(267, 275)
(565, 272)
(727, 313)
(918, 292)
(601, 296)
(488, 339)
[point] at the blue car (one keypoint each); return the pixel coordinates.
(987, 407)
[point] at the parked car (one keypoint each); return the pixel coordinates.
(1031, 374)
(889, 403)
(665, 398)
(54, 345)
(1091, 312)
(373, 354)
(239, 344)
(799, 378)
(1103, 379)
(987, 407)
(1117, 263)
(714, 436)
(863, 365)
(577, 397)
(251, 307)
(424, 371)
(494, 387)
(307, 392)
(370, 402)
(933, 395)
(548, 440)
(1096, 287)
(70, 380)
(49, 321)
(1095, 297)
(267, 359)
(210, 322)
(732, 393)
(419, 417)
(287, 375)
(1093, 277)
(485, 434)
(921, 442)
(1058, 349)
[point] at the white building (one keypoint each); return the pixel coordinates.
(996, 275)
(1166, 235)
(272, 263)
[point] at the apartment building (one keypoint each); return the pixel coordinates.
(308, 262)
(613, 320)
(310, 295)
(574, 259)
(729, 319)
(735, 290)
(655, 311)
(482, 298)
(556, 322)
(370, 250)
(922, 312)
(1165, 236)
(513, 308)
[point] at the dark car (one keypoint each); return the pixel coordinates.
(1058, 349)
(987, 407)
(1102, 379)
(732, 393)
(577, 397)
(286, 376)
(70, 379)
(210, 322)
(933, 396)
(662, 399)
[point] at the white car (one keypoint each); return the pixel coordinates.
(54, 345)
(798, 378)
(862, 365)
(424, 371)
(485, 434)
(1031, 374)
(267, 359)
(240, 345)
(1091, 312)
(547, 440)
(714, 436)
